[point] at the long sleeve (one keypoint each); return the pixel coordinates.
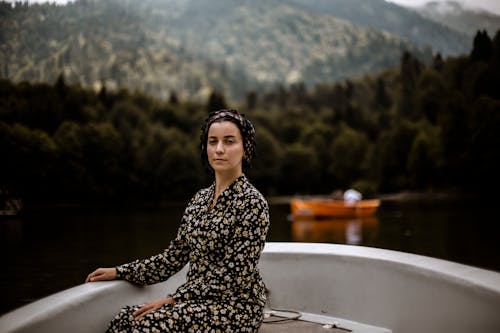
(159, 267)
(237, 272)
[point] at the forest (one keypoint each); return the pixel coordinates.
(417, 127)
(154, 46)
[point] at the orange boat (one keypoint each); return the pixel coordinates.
(333, 208)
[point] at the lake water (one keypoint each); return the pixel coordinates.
(51, 249)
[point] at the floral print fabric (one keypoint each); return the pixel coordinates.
(224, 291)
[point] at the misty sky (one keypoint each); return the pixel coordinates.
(490, 5)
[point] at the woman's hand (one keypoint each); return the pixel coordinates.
(151, 306)
(102, 274)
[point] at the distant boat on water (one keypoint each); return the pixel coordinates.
(9, 206)
(326, 207)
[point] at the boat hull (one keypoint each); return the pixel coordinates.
(390, 291)
(333, 208)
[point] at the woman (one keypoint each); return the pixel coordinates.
(222, 234)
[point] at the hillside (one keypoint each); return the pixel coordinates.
(186, 46)
(397, 20)
(192, 47)
(455, 16)
(273, 42)
(98, 42)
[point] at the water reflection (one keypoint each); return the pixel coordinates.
(333, 230)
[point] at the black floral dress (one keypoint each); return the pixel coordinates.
(224, 291)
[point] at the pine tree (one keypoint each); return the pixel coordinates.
(216, 101)
(482, 47)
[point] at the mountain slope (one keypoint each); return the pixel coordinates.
(189, 46)
(454, 15)
(95, 42)
(273, 42)
(394, 19)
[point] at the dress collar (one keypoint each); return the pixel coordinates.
(236, 186)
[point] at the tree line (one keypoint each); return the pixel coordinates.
(422, 127)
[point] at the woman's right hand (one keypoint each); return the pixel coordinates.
(102, 274)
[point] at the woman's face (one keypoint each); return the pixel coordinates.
(225, 147)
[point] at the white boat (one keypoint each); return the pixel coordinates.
(358, 289)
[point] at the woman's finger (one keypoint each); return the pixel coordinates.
(102, 274)
(143, 308)
(94, 276)
(90, 276)
(139, 317)
(142, 311)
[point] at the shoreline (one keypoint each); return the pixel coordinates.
(399, 197)
(405, 196)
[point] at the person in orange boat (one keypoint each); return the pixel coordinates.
(222, 235)
(352, 196)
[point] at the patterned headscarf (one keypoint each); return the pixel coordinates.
(244, 125)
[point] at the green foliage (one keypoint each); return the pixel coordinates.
(482, 49)
(216, 101)
(299, 169)
(410, 71)
(412, 127)
(424, 158)
(193, 47)
(119, 150)
(348, 152)
(430, 94)
(29, 159)
(266, 166)
(482, 156)
(393, 146)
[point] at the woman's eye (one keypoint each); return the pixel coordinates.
(212, 142)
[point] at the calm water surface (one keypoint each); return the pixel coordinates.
(51, 249)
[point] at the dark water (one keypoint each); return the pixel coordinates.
(51, 249)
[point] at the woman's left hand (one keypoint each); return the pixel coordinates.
(151, 306)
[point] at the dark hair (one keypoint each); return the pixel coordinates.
(244, 125)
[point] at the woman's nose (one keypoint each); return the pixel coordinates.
(220, 148)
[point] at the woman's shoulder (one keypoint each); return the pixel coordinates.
(201, 195)
(204, 191)
(252, 194)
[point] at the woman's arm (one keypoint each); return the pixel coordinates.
(159, 267)
(154, 269)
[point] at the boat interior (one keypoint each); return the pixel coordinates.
(297, 322)
(312, 288)
(298, 326)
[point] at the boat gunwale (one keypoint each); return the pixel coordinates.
(77, 300)
(484, 280)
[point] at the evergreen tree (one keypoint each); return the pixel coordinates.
(60, 86)
(173, 99)
(409, 71)
(482, 49)
(382, 100)
(438, 62)
(216, 101)
(496, 48)
(251, 100)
